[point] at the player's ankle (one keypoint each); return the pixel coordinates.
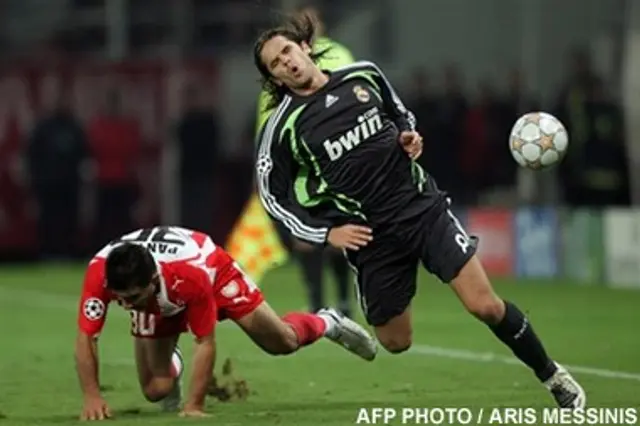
(547, 373)
(330, 324)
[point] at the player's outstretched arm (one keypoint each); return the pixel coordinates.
(86, 356)
(92, 313)
(277, 165)
(201, 317)
(202, 370)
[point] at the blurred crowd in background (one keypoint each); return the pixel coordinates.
(466, 134)
(50, 160)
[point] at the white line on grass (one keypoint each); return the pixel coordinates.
(471, 356)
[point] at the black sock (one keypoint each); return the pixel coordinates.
(312, 263)
(515, 331)
(341, 270)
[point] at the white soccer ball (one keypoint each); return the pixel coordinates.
(538, 140)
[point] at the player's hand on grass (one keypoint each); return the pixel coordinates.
(192, 411)
(95, 408)
(351, 237)
(411, 142)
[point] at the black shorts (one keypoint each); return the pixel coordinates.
(387, 267)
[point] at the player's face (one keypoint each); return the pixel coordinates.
(288, 62)
(138, 298)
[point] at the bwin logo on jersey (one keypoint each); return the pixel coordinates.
(369, 124)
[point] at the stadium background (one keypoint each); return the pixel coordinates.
(556, 241)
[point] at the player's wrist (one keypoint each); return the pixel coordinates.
(92, 395)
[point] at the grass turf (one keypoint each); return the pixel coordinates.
(456, 361)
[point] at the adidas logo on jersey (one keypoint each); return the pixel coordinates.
(330, 100)
(369, 124)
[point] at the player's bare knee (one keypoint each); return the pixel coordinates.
(158, 388)
(396, 345)
(394, 342)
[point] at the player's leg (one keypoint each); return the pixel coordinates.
(158, 359)
(386, 284)
(284, 335)
(312, 264)
(241, 301)
(340, 268)
(449, 253)
(160, 365)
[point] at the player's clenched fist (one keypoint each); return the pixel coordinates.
(95, 409)
(412, 143)
(351, 237)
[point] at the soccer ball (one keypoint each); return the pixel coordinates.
(538, 140)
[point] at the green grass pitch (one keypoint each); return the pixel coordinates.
(455, 362)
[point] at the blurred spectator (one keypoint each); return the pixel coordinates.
(421, 100)
(442, 155)
(599, 174)
(55, 151)
(198, 134)
(516, 103)
(116, 145)
(570, 108)
(580, 76)
(476, 149)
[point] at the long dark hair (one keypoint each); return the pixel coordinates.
(301, 27)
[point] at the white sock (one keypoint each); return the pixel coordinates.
(176, 363)
(330, 324)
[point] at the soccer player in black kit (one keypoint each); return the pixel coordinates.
(366, 196)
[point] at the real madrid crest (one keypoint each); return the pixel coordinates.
(361, 94)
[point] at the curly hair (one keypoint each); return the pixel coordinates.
(301, 27)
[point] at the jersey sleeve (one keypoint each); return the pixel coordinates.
(276, 171)
(197, 294)
(94, 301)
(401, 116)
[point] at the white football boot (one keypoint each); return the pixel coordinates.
(173, 401)
(566, 391)
(349, 334)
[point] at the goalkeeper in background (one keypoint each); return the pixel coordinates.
(312, 258)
